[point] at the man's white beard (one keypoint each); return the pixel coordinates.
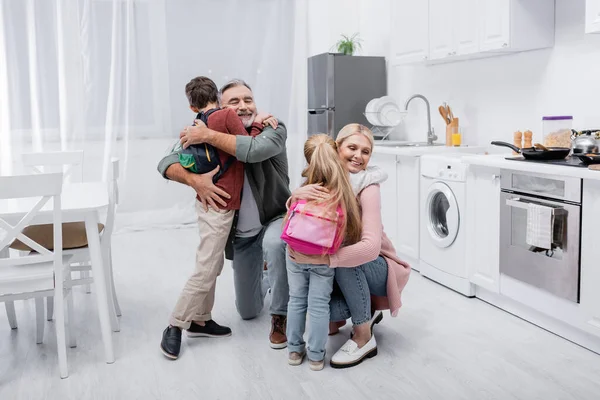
(247, 120)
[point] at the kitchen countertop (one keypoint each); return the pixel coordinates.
(499, 161)
(417, 151)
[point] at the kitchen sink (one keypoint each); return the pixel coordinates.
(396, 143)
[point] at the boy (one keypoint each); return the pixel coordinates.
(193, 309)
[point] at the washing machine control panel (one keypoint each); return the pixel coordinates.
(445, 169)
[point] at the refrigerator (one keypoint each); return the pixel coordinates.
(339, 88)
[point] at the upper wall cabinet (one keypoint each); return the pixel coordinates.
(592, 16)
(452, 31)
(410, 31)
(464, 29)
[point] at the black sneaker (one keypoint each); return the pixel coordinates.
(210, 329)
(170, 344)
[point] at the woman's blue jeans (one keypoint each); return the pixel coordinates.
(351, 297)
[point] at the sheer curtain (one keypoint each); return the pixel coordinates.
(108, 77)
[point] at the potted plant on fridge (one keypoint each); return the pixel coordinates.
(347, 45)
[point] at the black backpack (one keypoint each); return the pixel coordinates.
(203, 158)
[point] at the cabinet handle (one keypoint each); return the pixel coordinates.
(449, 54)
(424, 57)
(504, 44)
(495, 177)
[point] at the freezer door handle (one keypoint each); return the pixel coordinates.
(314, 112)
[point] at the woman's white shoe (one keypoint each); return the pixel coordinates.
(350, 355)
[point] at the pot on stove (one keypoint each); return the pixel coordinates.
(584, 143)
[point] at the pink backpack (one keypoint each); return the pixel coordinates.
(310, 232)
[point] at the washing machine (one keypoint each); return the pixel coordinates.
(442, 234)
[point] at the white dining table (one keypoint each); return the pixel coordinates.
(79, 202)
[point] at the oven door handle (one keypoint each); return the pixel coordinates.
(518, 203)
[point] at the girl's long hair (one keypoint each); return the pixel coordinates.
(325, 168)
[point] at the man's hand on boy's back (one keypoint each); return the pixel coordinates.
(209, 194)
(196, 134)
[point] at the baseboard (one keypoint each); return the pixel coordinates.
(541, 320)
(456, 283)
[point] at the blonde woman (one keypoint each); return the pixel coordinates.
(368, 274)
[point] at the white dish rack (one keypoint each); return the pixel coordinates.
(384, 114)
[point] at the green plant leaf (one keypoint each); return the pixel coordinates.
(348, 44)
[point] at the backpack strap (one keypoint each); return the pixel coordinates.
(203, 116)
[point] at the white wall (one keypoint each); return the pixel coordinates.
(495, 97)
(332, 18)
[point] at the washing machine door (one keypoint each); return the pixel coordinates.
(442, 215)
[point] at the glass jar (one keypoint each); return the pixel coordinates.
(556, 131)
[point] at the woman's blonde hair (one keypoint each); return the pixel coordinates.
(354, 129)
(325, 168)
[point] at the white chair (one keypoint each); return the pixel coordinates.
(74, 240)
(40, 273)
(70, 163)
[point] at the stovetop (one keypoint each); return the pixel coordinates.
(567, 162)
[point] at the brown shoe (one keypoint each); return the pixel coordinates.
(277, 336)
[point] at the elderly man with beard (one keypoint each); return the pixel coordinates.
(255, 236)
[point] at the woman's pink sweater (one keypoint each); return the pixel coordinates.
(373, 243)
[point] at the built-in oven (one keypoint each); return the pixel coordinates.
(554, 269)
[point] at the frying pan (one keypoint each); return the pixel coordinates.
(588, 159)
(531, 153)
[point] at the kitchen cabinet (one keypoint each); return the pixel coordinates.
(590, 267)
(410, 32)
(400, 203)
(483, 227)
(516, 25)
(407, 205)
(592, 16)
(389, 209)
(495, 24)
(466, 33)
(451, 30)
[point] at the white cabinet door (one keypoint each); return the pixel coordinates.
(466, 31)
(441, 29)
(494, 17)
(590, 271)
(389, 213)
(592, 16)
(410, 31)
(483, 227)
(407, 204)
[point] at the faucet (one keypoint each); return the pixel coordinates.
(431, 137)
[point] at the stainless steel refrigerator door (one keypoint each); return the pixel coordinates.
(320, 82)
(321, 121)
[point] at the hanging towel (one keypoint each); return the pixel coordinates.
(539, 226)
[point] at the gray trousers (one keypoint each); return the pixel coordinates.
(249, 255)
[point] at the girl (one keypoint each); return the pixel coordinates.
(311, 285)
